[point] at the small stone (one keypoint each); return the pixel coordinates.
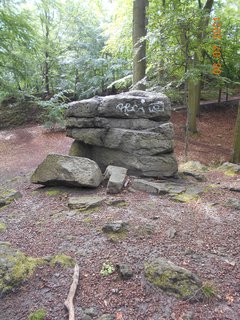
(92, 312)
(171, 232)
(125, 271)
(107, 317)
(86, 317)
(115, 226)
(155, 217)
(188, 315)
(116, 176)
(233, 203)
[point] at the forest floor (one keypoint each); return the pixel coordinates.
(206, 242)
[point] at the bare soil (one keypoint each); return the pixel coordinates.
(206, 241)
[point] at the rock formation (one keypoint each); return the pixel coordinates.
(129, 129)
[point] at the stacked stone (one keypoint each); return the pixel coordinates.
(130, 129)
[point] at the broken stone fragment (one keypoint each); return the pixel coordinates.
(116, 176)
(85, 202)
(125, 271)
(114, 227)
(173, 280)
(70, 171)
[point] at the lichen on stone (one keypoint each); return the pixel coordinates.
(53, 192)
(3, 227)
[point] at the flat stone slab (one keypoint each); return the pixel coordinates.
(70, 171)
(85, 202)
(116, 176)
(179, 192)
(159, 188)
(173, 280)
(131, 141)
(133, 104)
(97, 122)
(150, 187)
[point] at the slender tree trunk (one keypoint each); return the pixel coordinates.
(46, 73)
(236, 145)
(192, 105)
(139, 44)
(46, 53)
(219, 95)
(195, 86)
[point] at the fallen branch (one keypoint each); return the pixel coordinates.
(69, 301)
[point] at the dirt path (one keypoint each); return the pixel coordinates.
(22, 149)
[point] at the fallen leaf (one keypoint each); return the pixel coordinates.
(119, 316)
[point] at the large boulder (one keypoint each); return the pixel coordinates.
(174, 280)
(58, 169)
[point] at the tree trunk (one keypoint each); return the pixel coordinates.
(46, 73)
(236, 145)
(194, 85)
(219, 95)
(139, 44)
(193, 103)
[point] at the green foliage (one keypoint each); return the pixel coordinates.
(38, 315)
(53, 46)
(209, 291)
(107, 269)
(55, 109)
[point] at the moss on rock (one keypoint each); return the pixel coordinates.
(7, 196)
(53, 192)
(173, 280)
(15, 267)
(62, 260)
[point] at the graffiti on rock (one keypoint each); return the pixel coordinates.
(152, 108)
